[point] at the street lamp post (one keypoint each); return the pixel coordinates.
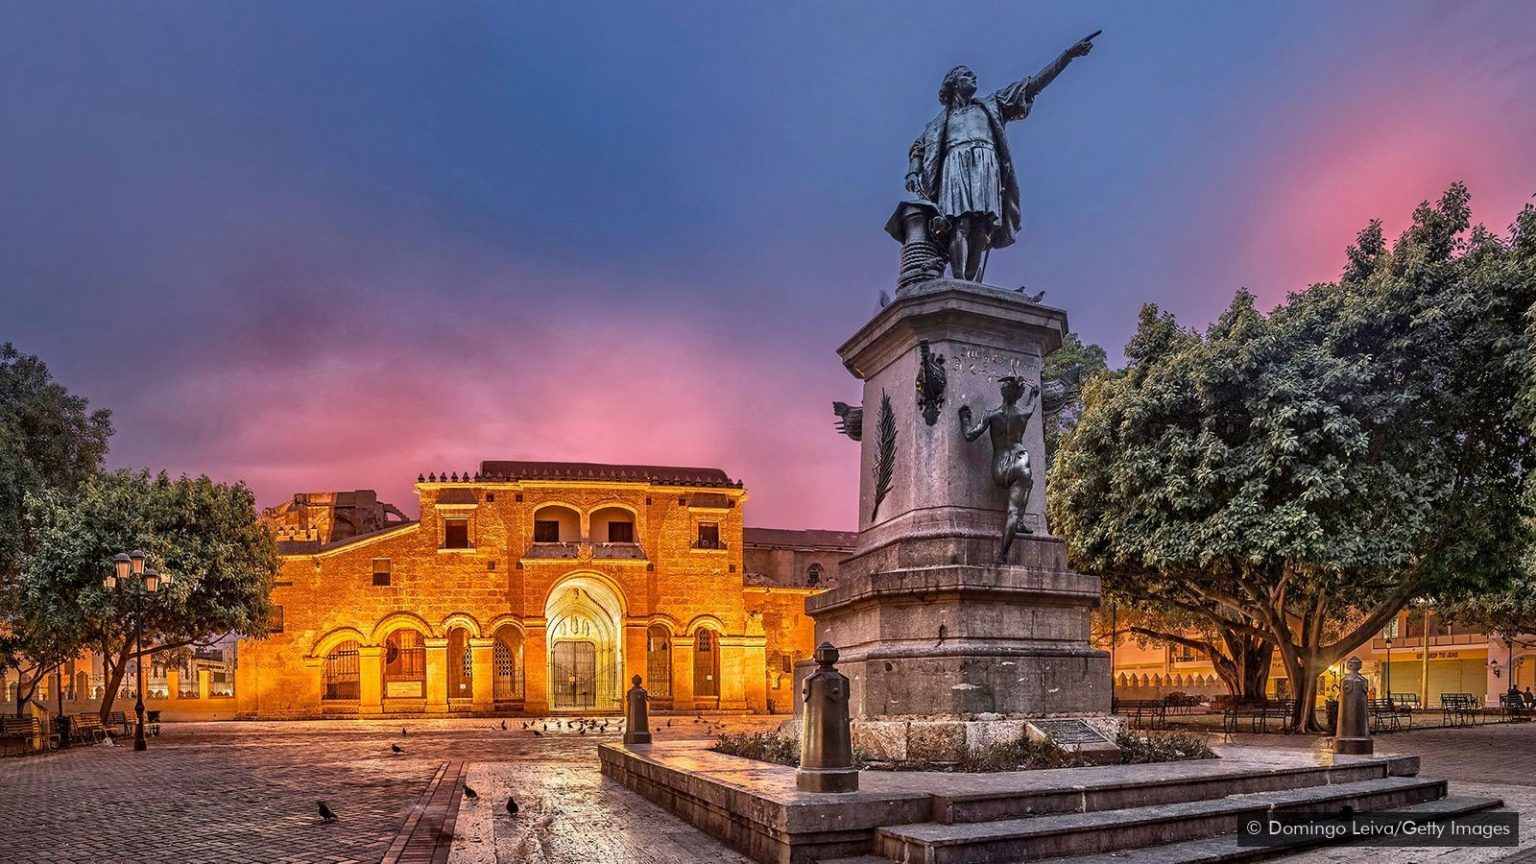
(129, 574)
(1387, 676)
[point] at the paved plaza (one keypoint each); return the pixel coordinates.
(246, 792)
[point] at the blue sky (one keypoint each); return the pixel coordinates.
(330, 246)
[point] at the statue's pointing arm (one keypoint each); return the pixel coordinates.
(1022, 93)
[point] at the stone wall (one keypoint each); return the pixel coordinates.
(788, 634)
(506, 588)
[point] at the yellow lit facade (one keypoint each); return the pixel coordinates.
(529, 587)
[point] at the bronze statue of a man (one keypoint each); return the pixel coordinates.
(961, 162)
(1010, 458)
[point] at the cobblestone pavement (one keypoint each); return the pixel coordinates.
(246, 792)
(1497, 760)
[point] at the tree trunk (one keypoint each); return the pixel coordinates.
(1255, 667)
(115, 672)
(1306, 701)
(25, 691)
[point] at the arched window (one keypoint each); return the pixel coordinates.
(507, 663)
(341, 672)
(461, 667)
(706, 664)
(405, 665)
(658, 662)
(813, 575)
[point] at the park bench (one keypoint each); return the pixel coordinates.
(1514, 706)
(87, 727)
(1459, 709)
(22, 732)
(1182, 703)
(1388, 716)
(119, 720)
(1407, 701)
(1258, 713)
(1143, 713)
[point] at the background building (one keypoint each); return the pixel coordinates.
(1458, 660)
(535, 587)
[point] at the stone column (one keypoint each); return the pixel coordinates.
(1353, 735)
(732, 688)
(754, 672)
(204, 683)
(173, 684)
(437, 675)
(482, 662)
(682, 673)
(536, 668)
(634, 649)
(370, 679)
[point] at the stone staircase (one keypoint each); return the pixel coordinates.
(1183, 819)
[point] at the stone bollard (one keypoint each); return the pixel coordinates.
(1353, 735)
(637, 720)
(826, 740)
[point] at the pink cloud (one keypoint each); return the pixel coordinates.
(406, 395)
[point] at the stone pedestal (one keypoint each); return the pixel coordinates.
(935, 635)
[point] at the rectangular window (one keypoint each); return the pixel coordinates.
(709, 536)
(621, 532)
(789, 664)
(277, 619)
(546, 531)
(455, 533)
(381, 571)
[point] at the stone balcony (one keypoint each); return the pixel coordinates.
(585, 550)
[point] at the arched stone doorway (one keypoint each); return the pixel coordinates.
(585, 656)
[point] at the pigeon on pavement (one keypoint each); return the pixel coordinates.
(325, 812)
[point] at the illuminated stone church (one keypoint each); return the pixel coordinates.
(534, 588)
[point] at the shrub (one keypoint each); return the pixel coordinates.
(1137, 748)
(762, 746)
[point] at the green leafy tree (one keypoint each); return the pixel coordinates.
(1303, 474)
(205, 534)
(1077, 359)
(49, 442)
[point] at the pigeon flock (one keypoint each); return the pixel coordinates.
(538, 729)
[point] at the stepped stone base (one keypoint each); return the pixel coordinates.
(943, 739)
(937, 817)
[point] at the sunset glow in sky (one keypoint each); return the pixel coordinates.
(330, 246)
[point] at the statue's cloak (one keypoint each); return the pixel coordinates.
(1010, 103)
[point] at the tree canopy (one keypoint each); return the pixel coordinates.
(205, 534)
(50, 442)
(1302, 474)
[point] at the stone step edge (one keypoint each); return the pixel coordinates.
(1223, 849)
(1386, 767)
(1072, 822)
